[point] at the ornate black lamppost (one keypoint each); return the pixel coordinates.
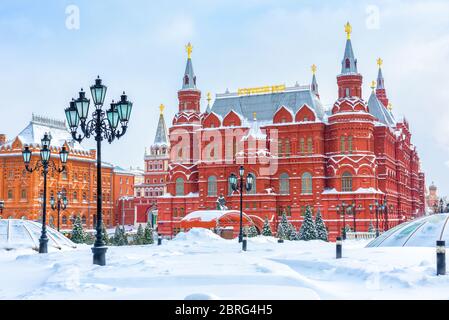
(343, 210)
(386, 227)
(441, 205)
(378, 207)
(60, 205)
(45, 164)
(103, 125)
(241, 188)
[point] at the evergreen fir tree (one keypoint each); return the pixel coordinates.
(120, 238)
(266, 230)
(308, 229)
(105, 236)
(283, 231)
(252, 232)
(139, 237)
(292, 234)
(148, 237)
(89, 238)
(321, 231)
(78, 235)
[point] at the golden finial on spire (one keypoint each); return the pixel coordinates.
(380, 62)
(373, 85)
(348, 30)
(189, 48)
(162, 107)
(209, 98)
(255, 116)
(313, 68)
(390, 106)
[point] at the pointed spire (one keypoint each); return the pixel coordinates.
(189, 80)
(380, 91)
(209, 98)
(314, 85)
(349, 63)
(161, 131)
(380, 78)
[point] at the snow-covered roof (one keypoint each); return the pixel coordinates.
(266, 105)
(378, 110)
(422, 232)
(15, 234)
(33, 133)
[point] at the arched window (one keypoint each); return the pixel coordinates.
(253, 189)
(180, 187)
(301, 145)
(342, 143)
(83, 219)
(346, 182)
(309, 145)
(350, 144)
(284, 184)
(23, 195)
(64, 175)
(347, 63)
(10, 196)
(75, 196)
(287, 147)
(230, 190)
(280, 147)
(306, 186)
(186, 80)
(212, 186)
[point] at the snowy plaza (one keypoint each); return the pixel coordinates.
(201, 265)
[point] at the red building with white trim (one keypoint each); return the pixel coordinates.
(300, 154)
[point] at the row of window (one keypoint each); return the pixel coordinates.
(155, 181)
(284, 146)
(284, 184)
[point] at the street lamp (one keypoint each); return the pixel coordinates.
(2, 206)
(386, 213)
(441, 205)
(377, 205)
(44, 164)
(343, 205)
(248, 186)
(103, 125)
(60, 205)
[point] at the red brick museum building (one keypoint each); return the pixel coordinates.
(299, 154)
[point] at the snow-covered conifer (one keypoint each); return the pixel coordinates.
(308, 229)
(266, 230)
(321, 231)
(78, 235)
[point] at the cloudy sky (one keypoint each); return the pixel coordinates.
(47, 55)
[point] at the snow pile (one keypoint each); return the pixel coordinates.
(200, 265)
(198, 235)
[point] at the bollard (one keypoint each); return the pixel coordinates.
(244, 242)
(159, 240)
(339, 247)
(280, 240)
(441, 258)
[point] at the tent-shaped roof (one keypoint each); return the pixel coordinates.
(16, 234)
(422, 232)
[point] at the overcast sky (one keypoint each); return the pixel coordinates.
(47, 55)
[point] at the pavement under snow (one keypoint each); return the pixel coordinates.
(201, 265)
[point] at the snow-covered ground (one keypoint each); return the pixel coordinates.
(199, 264)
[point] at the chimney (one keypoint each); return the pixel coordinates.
(2, 139)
